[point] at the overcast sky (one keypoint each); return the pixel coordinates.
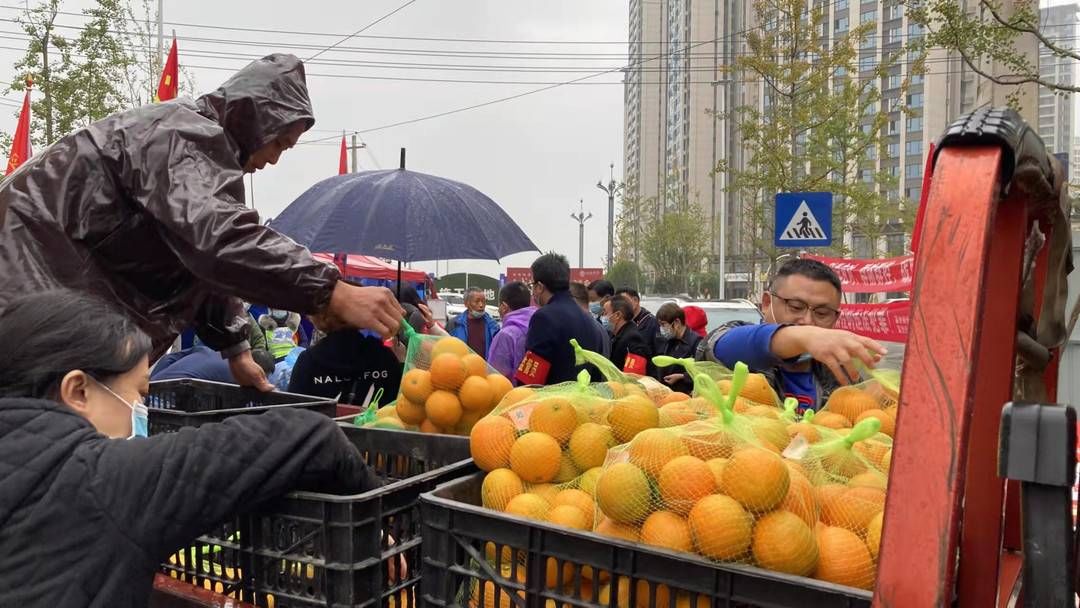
(536, 156)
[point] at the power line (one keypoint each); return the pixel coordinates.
(363, 29)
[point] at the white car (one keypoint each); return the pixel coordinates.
(717, 312)
(455, 305)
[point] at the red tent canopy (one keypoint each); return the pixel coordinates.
(367, 267)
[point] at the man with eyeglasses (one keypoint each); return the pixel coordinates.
(797, 348)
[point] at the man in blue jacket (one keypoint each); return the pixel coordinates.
(475, 326)
(549, 357)
(797, 348)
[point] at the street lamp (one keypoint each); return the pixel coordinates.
(610, 190)
(581, 218)
(722, 261)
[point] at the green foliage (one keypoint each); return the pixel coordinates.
(676, 244)
(630, 222)
(626, 273)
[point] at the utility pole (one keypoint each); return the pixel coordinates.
(353, 149)
(610, 190)
(721, 294)
(581, 218)
(160, 34)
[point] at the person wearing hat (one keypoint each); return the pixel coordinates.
(696, 320)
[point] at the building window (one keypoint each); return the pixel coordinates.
(894, 244)
(840, 5)
(916, 79)
(867, 43)
(892, 35)
(893, 128)
(867, 176)
(914, 100)
(894, 171)
(913, 193)
(894, 12)
(914, 147)
(860, 246)
(894, 81)
(914, 30)
(914, 124)
(840, 25)
(913, 171)
(868, 16)
(893, 149)
(867, 63)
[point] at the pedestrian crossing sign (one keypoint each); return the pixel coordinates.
(803, 219)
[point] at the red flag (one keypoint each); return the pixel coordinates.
(20, 146)
(343, 165)
(169, 86)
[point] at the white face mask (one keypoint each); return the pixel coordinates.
(140, 414)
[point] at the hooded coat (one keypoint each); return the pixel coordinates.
(146, 209)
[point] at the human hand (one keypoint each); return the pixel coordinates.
(398, 568)
(673, 378)
(429, 319)
(247, 372)
(373, 308)
(838, 349)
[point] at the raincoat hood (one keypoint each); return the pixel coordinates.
(259, 102)
(519, 318)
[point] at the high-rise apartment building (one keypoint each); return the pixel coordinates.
(1059, 23)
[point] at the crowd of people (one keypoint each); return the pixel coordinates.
(125, 232)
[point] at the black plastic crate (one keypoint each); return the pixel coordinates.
(175, 404)
(460, 536)
(321, 550)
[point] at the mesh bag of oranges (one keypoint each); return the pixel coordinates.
(620, 384)
(878, 397)
(711, 487)
(446, 387)
(849, 496)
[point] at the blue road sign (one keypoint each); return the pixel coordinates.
(803, 219)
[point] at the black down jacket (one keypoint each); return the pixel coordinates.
(146, 210)
(86, 520)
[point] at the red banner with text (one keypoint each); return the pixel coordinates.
(887, 322)
(577, 275)
(871, 276)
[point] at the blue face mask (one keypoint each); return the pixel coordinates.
(606, 322)
(476, 314)
(140, 415)
(595, 308)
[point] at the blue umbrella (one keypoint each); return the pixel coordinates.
(401, 215)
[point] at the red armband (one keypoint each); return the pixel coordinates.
(534, 369)
(635, 364)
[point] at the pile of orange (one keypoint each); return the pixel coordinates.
(448, 390)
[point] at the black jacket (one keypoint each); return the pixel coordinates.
(145, 209)
(85, 520)
(629, 340)
(550, 331)
(347, 363)
(680, 348)
(648, 325)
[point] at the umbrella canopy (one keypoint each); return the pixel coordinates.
(401, 215)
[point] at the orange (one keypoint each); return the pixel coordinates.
(851, 402)
(843, 463)
(569, 516)
(716, 465)
(499, 487)
(631, 415)
(771, 431)
(450, 345)
(494, 596)
(684, 481)
(547, 491)
(720, 527)
(490, 442)
(587, 482)
(654, 448)
(579, 499)
(553, 580)
(831, 420)
(536, 457)
(447, 372)
(674, 397)
(467, 422)
(500, 387)
(428, 427)
(589, 445)
(756, 389)
(683, 600)
(869, 479)
(529, 505)
(409, 411)
(785, 543)
(872, 450)
(764, 411)
(567, 470)
(614, 529)
(888, 423)
(668, 530)
(800, 498)
(678, 413)
(711, 442)
(843, 559)
(554, 416)
(443, 409)
(886, 461)
(807, 430)
(475, 365)
(853, 508)
(757, 478)
(873, 534)
(623, 493)
(416, 385)
(517, 395)
(476, 394)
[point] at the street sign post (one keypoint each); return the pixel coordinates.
(803, 219)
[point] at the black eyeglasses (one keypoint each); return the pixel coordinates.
(822, 314)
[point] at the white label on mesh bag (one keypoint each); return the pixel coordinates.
(797, 449)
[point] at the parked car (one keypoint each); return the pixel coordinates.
(718, 312)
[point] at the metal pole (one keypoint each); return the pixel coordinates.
(722, 293)
(610, 190)
(580, 217)
(355, 148)
(161, 33)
